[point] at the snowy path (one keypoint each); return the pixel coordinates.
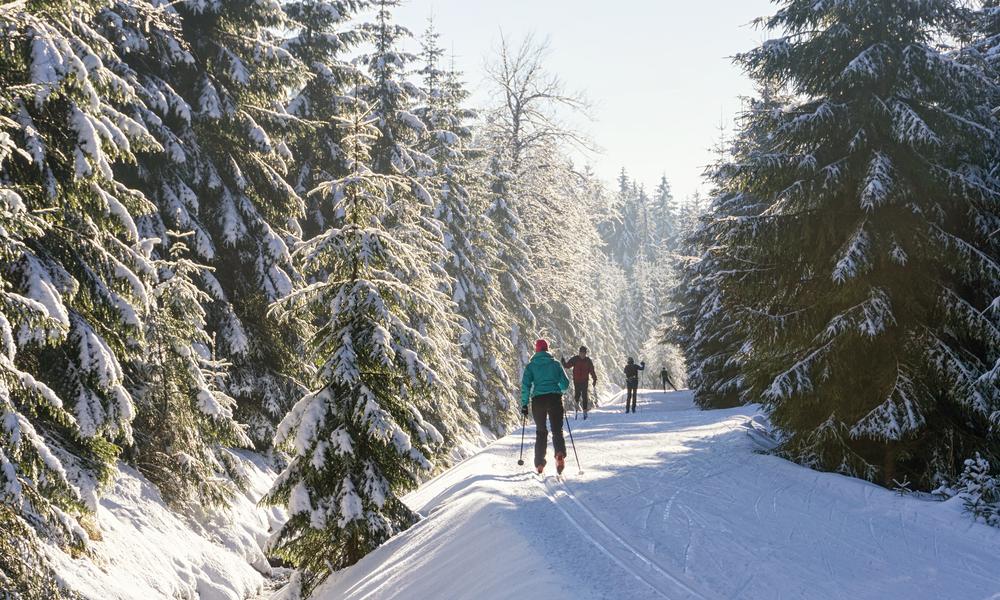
(674, 503)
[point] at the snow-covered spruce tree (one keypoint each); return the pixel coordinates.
(74, 282)
(705, 328)
(358, 440)
(644, 284)
(514, 254)
(664, 213)
(618, 227)
(86, 270)
(603, 289)
(980, 31)
(985, 51)
(874, 263)
(663, 281)
(469, 238)
(37, 499)
(630, 232)
(391, 99)
(979, 489)
(705, 319)
(185, 424)
(322, 36)
(608, 293)
(216, 93)
(645, 227)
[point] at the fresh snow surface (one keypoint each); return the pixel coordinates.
(674, 502)
(147, 551)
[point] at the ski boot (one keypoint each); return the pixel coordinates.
(560, 462)
(541, 467)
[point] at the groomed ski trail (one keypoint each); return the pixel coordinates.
(674, 503)
(615, 547)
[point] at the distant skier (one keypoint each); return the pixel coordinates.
(665, 379)
(544, 382)
(632, 382)
(583, 368)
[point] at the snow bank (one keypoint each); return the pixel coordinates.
(146, 551)
(475, 543)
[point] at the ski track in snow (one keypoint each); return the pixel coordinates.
(667, 588)
(674, 503)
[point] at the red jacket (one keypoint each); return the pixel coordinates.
(582, 367)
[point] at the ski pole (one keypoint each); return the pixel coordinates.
(570, 429)
(520, 457)
(639, 384)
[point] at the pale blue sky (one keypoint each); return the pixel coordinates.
(657, 71)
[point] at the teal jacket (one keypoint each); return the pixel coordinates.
(542, 375)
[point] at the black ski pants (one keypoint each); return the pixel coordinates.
(581, 394)
(547, 407)
(631, 390)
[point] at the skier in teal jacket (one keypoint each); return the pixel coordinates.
(543, 383)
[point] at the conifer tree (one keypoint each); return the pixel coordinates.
(37, 497)
(619, 229)
(358, 439)
(663, 214)
(322, 37)
(603, 289)
(215, 84)
(706, 318)
(705, 326)
(469, 237)
(83, 268)
(184, 421)
(391, 99)
(515, 279)
(981, 31)
(871, 271)
(74, 282)
(185, 424)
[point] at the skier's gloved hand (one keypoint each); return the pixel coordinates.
(524, 410)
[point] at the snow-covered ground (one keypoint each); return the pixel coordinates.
(147, 552)
(673, 503)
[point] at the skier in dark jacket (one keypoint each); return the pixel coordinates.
(583, 368)
(544, 382)
(632, 382)
(665, 379)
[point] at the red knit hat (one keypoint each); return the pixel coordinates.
(541, 345)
